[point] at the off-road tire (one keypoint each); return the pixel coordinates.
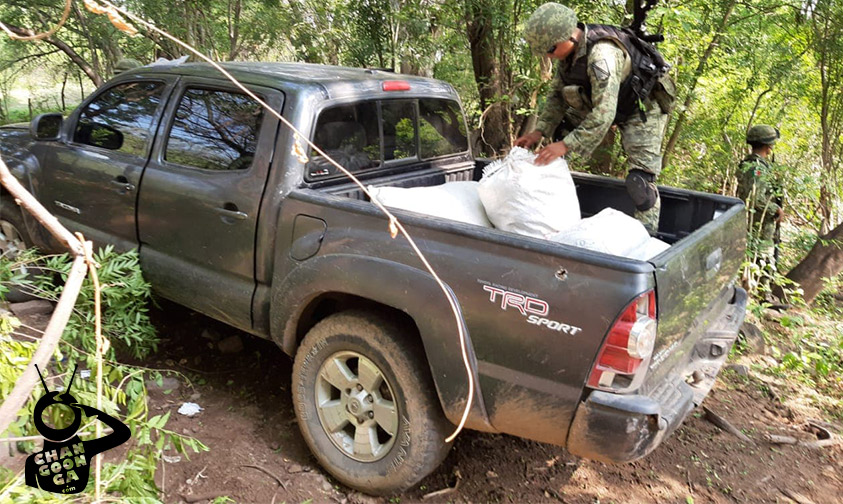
(419, 445)
(11, 214)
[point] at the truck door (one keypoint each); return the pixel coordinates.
(90, 180)
(200, 195)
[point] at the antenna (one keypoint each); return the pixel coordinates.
(67, 391)
(42, 379)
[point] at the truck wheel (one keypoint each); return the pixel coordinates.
(14, 239)
(366, 403)
(13, 235)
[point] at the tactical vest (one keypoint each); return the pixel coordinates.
(647, 67)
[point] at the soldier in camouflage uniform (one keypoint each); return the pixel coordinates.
(126, 64)
(553, 31)
(760, 190)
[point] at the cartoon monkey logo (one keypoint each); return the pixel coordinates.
(63, 465)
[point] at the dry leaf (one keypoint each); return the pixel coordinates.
(121, 24)
(393, 229)
(94, 7)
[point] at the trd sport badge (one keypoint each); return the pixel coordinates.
(63, 465)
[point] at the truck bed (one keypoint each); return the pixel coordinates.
(531, 378)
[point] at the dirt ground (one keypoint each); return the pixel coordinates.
(257, 453)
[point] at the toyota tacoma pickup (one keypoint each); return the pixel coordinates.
(601, 354)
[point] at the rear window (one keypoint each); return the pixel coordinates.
(441, 128)
(366, 136)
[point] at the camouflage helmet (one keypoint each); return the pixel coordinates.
(762, 134)
(126, 64)
(550, 24)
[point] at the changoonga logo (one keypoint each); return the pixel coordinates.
(63, 465)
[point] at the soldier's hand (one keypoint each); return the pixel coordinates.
(551, 152)
(529, 140)
(779, 215)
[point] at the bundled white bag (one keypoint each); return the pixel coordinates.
(532, 200)
(454, 200)
(610, 231)
(651, 249)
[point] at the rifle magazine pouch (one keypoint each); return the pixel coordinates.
(575, 97)
(664, 92)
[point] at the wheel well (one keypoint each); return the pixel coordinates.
(334, 302)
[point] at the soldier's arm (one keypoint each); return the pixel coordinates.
(605, 66)
(759, 190)
(553, 110)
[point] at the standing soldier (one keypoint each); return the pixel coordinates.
(605, 76)
(126, 64)
(758, 187)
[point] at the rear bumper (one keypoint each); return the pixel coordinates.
(617, 428)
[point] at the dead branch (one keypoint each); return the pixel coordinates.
(209, 496)
(23, 387)
(31, 205)
(445, 491)
(822, 443)
(107, 430)
(799, 498)
(725, 425)
(31, 35)
(52, 334)
(775, 439)
(268, 472)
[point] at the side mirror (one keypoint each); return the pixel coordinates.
(46, 126)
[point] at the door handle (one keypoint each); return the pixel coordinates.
(123, 183)
(231, 212)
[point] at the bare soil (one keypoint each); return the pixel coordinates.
(257, 453)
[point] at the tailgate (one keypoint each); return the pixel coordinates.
(693, 275)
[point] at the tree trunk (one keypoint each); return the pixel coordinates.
(494, 121)
(67, 50)
(825, 260)
(81, 86)
(63, 88)
(689, 97)
(234, 29)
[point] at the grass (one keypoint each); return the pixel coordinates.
(807, 347)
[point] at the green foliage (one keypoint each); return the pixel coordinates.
(125, 321)
(125, 296)
(808, 345)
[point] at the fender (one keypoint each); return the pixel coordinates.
(24, 166)
(399, 286)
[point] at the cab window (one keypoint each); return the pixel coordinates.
(441, 128)
(120, 119)
(368, 136)
(214, 130)
(350, 135)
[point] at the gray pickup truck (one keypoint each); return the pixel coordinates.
(603, 355)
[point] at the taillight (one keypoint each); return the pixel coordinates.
(396, 85)
(629, 344)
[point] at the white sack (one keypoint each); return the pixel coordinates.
(527, 199)
(651, 249)
(610, 231)
(454, 200)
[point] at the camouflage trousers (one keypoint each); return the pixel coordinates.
(642, 142)
(762, 238)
